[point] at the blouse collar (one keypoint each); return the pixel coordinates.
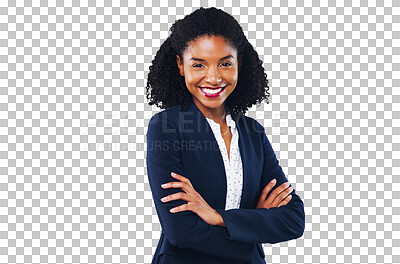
(229, 121)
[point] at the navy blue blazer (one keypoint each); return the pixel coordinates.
(182, 141)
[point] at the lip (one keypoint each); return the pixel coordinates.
(212, 95)
(208, 87)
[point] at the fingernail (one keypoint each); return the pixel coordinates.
(173, 174)
(163, 185)
(273, 181)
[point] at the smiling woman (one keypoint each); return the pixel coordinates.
(216, 204)
(209, 78)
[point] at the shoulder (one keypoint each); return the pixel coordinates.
(164, 123)
(250, 124)
(170, 115)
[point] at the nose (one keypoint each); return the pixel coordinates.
(213, 76)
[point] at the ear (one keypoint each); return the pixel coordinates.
(180, 66)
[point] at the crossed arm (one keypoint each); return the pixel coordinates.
(267, 224)
(244, 227)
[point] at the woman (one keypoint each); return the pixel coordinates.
(229, 192)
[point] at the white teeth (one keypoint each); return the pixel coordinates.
(211, 91)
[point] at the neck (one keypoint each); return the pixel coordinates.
(216, 114)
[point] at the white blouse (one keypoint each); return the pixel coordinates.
(233, 164)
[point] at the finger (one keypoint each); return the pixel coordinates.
(267, 189)
(181, 178)
(172, 185)
(183, 207)
(176, 196)
(286, 201)
(282, 196)
(180, 185)
(277, 191)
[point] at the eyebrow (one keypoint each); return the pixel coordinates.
(223, 58)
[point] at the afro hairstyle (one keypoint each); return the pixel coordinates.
(166, 88)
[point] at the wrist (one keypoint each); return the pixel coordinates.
(219, 219)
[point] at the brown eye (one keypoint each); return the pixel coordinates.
(195, 65)
(229, 64)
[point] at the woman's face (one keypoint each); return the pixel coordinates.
(209, 62)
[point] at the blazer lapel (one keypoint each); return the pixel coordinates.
(207, 163)
(243, 142)
(200, 131)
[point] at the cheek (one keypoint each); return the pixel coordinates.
(235, 78)
(232, 76)
(192, 79)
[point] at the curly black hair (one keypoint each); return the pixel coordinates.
(168, 88)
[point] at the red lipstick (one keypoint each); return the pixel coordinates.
(207, 91)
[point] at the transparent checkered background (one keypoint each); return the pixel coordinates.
(73, 120)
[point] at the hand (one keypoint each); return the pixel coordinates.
(280, 196)
(196, 203)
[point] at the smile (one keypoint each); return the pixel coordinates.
(212, 92)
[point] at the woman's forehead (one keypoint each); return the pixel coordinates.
(209, 46)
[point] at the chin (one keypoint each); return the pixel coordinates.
(213, 105)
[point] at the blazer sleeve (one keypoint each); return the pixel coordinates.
(184, 229)
(262, 225)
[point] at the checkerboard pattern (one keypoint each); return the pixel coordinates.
(73, 120)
